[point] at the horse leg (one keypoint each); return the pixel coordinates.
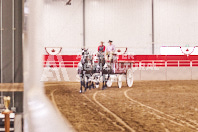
(103, 85)
(97, 81)
(81, 84)
(103, 82)
(92, 85)
(88, 86)
(107, 80)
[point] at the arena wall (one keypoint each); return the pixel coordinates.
(194, 73)
(145, 67)
(175, 23)
(127, 22)
(63, 24)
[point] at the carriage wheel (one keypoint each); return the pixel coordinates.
(119, 81)
(129, 77)
(109, 82)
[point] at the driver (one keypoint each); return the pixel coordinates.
(101, 52)
(109, 51)
(101, 47)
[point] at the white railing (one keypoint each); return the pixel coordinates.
(71, 64)
(142, 63)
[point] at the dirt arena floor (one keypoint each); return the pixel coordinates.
(158, 106)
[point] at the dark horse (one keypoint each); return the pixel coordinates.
(85, 70)
(103, 68)
(91, 72)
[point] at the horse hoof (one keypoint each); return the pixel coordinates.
(85, 90)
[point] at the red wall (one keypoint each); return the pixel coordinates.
(157, 60)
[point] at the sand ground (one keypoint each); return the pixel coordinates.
(158, 106)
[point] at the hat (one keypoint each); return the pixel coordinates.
(110, 41)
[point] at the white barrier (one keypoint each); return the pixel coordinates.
(159, 73)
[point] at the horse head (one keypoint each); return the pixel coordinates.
(85, 52)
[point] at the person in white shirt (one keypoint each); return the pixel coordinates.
(110, 50)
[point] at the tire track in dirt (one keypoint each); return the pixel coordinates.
(102, 114)
(53, 100)
(56, 107)
(52, 94)
(113, 114)
(171, 118)
(160, 117)
(189, 120)
(165, 128)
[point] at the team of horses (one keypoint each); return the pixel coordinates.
(91, 71)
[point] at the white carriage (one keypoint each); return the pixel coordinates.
(120, 69)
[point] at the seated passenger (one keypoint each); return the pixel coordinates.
(109, 51)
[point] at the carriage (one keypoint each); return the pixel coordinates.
(118, 69)
(121, 68)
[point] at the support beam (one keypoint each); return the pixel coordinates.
(1, 28)
(84, 24)
(18, 52)
(7, 42)
(153, 33)
(13, 48)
